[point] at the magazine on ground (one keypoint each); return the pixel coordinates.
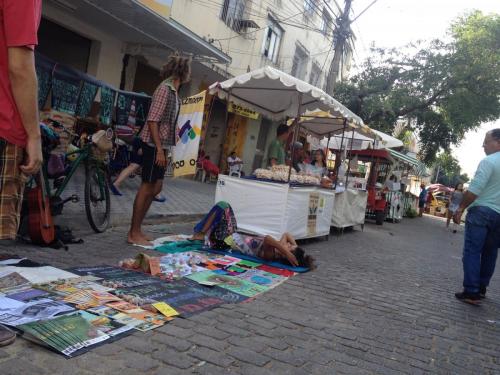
(14, 313)
(75, 333)
(65, 334)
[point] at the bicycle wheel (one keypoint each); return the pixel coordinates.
(97, 199)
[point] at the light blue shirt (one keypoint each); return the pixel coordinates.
(486, 183)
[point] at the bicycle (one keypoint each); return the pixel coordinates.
(96, 190)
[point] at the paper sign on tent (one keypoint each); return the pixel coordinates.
(165, 309)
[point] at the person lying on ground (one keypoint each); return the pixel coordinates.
(220, 229)
(268, 248)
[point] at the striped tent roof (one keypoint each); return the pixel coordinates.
(418, 167)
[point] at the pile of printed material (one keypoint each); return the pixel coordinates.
(72, 311)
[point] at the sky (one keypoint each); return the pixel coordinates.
(394, 23)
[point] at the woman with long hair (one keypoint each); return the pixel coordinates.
(319, 163)
(453, 204)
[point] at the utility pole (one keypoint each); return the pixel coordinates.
(437, 173)
(343, 31)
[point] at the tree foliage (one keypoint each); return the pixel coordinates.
(444, 88)
(447, 170)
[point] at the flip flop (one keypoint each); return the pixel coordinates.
(115, 190)
(160, 199)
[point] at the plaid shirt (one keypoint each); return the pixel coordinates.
(164, 110)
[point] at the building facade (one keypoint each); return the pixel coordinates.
(294, 36)
(125, 43)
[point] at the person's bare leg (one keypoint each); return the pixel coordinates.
(208, 223)
(448, 218)
(124, 174)
(142, 202)
(157, 187)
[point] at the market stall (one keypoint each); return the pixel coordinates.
(350, 195)
(293, 205)
(270, 208)
(402, 200)
(349, 208)
(377, 165)
(351, 192)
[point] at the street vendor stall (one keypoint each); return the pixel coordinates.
(380, 168)
(401, 199)
(383, 199)
(350, 194)
(297, 204)
(349, 208)
(271, 208)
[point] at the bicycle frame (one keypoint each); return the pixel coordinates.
(85, 156)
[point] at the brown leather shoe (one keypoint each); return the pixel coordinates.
(7, 337)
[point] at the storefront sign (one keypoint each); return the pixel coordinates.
(242, 111)
(160, 7)
(313, 213)
(188, 135)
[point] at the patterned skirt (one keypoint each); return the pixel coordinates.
(222, 226)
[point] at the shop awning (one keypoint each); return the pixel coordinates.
(404, 158)
(133, 22)
(278, 95)
(418, 167)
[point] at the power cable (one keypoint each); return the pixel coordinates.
(368, 7)
(330, 8)
(338, 6)
(216, 8)
(256, 30)
(324, 63)
(313, 7)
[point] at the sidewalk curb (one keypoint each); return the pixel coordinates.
(159, 219)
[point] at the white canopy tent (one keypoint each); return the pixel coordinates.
(388, 141)
(278, 95)
(323, 123)
(361, 141)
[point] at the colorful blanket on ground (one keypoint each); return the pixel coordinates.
(258, 260)
(179, 247)
(164, 240)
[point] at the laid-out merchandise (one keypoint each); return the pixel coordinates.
(74, 310)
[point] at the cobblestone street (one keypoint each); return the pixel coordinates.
(380, 302)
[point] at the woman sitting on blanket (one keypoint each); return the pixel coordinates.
(219, 229)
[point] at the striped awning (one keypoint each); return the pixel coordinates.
(418, 167)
